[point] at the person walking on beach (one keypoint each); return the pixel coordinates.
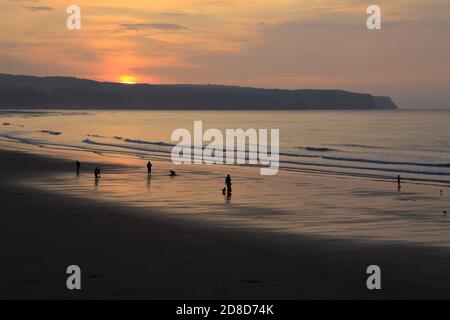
(149, 167)
(399, 182)
(228, 184)
(97, 172)
(78, 165)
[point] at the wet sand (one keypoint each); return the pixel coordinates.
(139, 252)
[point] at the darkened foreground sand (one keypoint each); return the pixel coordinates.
(124, 253)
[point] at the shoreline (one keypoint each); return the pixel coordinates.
(30, 147)
(360, 156)
(126, 254)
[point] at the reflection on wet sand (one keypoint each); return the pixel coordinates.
(299, 203)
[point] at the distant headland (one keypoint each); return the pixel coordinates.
(29, 92)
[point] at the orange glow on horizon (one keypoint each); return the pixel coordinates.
(128, 79)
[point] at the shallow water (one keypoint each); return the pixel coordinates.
(414, 144)
(355, 198)
(335, 206)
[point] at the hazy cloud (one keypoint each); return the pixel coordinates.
(38, 8)
(265, 43)
(157, 26)
(175, 14)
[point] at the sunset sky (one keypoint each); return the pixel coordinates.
(264, 43)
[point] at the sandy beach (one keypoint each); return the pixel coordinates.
(144, 252)
(260, 151)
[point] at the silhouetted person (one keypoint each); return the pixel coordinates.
(172, 173)
(399, 182)
(224, 191)
(78, 165)
(149, 167)
(228, 184)
(97, 173)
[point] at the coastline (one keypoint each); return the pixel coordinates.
(145, 96)
(126, 253)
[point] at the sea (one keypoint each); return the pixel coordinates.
(337, 176)
(379, 144)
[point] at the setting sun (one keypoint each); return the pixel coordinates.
(127, 79)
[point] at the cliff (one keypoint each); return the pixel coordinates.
(73, 93)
